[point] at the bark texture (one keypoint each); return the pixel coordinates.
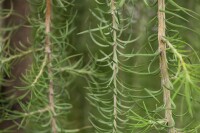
(165, 81)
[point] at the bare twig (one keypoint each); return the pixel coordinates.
(165, 81)
(49, 64)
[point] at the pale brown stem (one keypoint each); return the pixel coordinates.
(49, 64)
(115, 65)
(165, 81)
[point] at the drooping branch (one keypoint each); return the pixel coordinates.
(165, 81)
(49, 63)
(115, 64)
(1, 47)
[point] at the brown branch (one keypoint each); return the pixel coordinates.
(165, 81)
(115, 65)
(49, 64)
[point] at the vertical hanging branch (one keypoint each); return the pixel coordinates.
(49, 64)
(115, 63)
(115, 118)
(165, 81)
(1, 47)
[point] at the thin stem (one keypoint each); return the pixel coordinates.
(165, 81)
(36, 112)
(21, 54)
(40, 72)
(115, 64)
(49, 64)
(1, 46)
(180, 57)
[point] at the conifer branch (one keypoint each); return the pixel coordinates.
(1, 46)
(165, 81)
(115, 64)
(49, 64)
(17, 56)
(40, 72)
(36, 112)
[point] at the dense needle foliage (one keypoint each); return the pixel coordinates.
(102, 66)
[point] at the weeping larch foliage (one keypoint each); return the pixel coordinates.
(99, 66)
